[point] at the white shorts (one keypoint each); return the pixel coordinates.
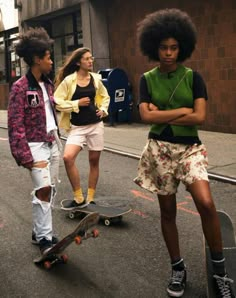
(91, 135)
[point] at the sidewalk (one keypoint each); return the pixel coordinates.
(221, 147)
(129, 140)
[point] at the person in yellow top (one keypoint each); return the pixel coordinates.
(83, 101)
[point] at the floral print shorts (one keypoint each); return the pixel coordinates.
(163, 165)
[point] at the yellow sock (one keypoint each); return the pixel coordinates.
(90, 195)
(78, 196)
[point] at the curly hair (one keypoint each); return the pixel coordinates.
(33, 42)
(70, 65)
(163, 24)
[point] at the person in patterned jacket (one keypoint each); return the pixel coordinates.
(32, 129)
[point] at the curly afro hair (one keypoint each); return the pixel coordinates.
(33, 42)
(163, 24)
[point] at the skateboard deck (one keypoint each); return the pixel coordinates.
(108, 214)
(229, 251)
(82, 232)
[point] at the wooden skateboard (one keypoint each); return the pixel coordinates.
(82, 232)
(107, 214)
(229, 251)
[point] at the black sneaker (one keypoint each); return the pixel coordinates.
(222, 286)
(72, 204)
(45, 245)
(92, 203)
(177, 283)
(55, 240)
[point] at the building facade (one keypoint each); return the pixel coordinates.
(9, 62)
(214, 57)
(109, 29)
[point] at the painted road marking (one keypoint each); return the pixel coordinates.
(140, 213)
(139, 194)
(187, 210)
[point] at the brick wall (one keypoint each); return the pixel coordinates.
(214, 57)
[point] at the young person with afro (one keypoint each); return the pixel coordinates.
(173, 100)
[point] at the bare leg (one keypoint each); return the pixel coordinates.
(200, 191)
(168, 225)
(94, 157)
(70, 154)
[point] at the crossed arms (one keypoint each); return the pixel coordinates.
(182, 116)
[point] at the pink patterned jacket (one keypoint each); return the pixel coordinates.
(27, 116)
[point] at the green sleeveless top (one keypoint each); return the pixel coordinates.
(172, 91)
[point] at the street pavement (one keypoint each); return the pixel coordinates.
(129, 259)
(129, 140)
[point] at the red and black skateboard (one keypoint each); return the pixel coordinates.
(83, 231)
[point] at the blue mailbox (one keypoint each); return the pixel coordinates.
(118, 87)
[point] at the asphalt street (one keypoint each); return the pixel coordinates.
(126, 260)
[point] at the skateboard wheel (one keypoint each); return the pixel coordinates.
(47, 265)
(78, 240)
(64, 258)
(95, 233)
(107, 222)
(71, 215)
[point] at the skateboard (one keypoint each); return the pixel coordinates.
(107, 214)
(229, 251)
(82, 232)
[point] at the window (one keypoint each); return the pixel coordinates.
(67, 35)
(14, 66)
(2, 61)
(10, 67)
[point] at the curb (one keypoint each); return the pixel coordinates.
(211, 175)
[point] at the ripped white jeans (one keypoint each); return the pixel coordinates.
(42, 177)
